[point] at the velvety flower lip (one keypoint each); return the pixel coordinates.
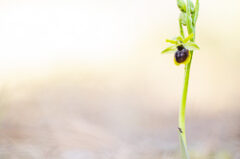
(182, 57)
(178, 44)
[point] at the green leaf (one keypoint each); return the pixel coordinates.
(170, 49)
(183, 148)
(171, 41)
(191, 46)
(188, 38)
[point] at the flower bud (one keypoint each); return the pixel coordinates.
(192, 9)
(182, 18)
(181, 5)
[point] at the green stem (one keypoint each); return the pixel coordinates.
(183, 103)
(181, 120)
(191, 29)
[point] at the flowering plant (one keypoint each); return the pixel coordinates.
(183, 49)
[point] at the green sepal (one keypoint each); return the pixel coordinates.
(171, 41)
(171, 49)
(191, 46)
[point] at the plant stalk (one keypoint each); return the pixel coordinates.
(183, 103)
(191, 29)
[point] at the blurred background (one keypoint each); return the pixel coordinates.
(86, 80)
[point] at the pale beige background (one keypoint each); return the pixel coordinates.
(85, 79)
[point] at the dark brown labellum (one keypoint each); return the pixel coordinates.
(180, 47)
(182, 55)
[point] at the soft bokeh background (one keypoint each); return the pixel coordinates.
(86, 80)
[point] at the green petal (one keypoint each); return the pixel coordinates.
(179, 38)
(191, 46)
(170, 49)
(171, 41)
(188, 38)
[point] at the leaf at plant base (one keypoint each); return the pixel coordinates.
(170, 49)
(183, 148)
(171, 41)
(188, 38)
(191, 46)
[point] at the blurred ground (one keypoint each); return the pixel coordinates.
(77, 119)
(85, 80)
